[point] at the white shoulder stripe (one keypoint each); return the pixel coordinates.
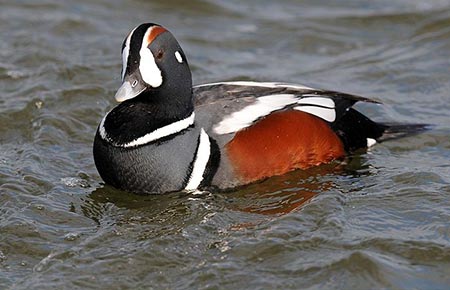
(321, 107)
(159, 133)
(326, 114)
(316, 101)
(201, 160)
(258, 84)
(245, 117)
(318, 106)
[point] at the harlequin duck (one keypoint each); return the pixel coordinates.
(166, 135)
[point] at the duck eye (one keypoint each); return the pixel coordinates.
(134, 83)
(160, 54)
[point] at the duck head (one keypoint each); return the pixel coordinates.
(153, 66)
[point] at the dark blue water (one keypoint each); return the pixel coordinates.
(380, 221)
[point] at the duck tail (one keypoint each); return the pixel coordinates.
(358, 131)
(399, 130)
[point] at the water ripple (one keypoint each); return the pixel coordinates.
(377, 220)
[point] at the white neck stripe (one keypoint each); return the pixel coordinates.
(201, 160)
(159, 133)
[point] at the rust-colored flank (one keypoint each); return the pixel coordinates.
(281, 142)
(155, 31)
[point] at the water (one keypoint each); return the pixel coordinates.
(379, 221)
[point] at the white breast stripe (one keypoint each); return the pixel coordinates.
(324, 113)
(150, 72)
(126, 53)
(162, 132)
(318, 101)
(262, 107)
(201, 160)
(259, 84)
(159, 133)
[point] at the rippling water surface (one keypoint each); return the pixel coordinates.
(380, 221)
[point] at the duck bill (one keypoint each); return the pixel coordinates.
(129, 89)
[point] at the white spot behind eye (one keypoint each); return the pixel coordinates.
(178, 56)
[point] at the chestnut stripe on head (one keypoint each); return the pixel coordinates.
(154, 32)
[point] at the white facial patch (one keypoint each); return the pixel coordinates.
(201, 160)
(178, 56)
(150, 72)
(126, 53)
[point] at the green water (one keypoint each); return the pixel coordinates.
(380, 221)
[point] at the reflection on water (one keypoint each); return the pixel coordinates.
(277, 195)
(280, 195)
(378, 221)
